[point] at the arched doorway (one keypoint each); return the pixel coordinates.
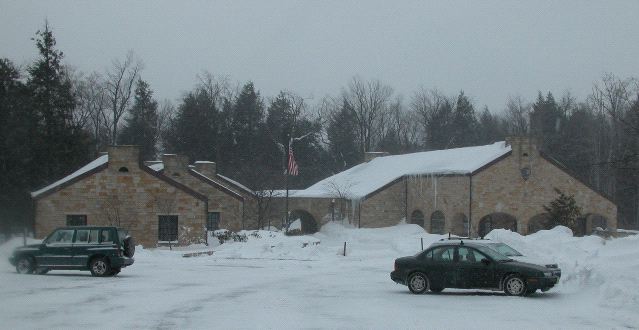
(539, 222)
(437, 222)
(459, 225)
(588, 223)
(306, 220)
(417, 218)
(495, 221)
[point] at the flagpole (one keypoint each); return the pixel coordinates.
(288, 150)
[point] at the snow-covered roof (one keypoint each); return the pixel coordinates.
(361, 180)
(159, 166)
(86, 168)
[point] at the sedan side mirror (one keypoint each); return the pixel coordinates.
(485, 261)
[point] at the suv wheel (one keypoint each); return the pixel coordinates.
(514, 285)
(100, 267)
(25, 265)
(418, 283)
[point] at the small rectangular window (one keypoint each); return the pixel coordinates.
(76, 220)
(213, 221)
(167, 228)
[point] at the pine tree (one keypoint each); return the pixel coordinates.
(546, 123)
(194, 130)
(464, 123)
(342, 136)
(61, 147)
(248, 130)
(563, 211)
(141, 127)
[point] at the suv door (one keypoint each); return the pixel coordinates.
(471, 271)
(57, 249)
(85, 240)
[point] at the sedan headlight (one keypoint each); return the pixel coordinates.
(548, 274)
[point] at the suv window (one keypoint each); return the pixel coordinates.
(93, 236)
(61, 236)
(106, 236)
(444, 254)
(82, 236)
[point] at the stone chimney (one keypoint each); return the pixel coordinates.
(522, 146)
(370, 155)
(525, 152)
(206, 168)
(175, 165)
(123, 158)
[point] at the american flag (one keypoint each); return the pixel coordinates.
(292, 165)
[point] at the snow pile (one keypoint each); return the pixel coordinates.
(363, 179)
(590, 265)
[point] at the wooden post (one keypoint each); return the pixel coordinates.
(345, 249)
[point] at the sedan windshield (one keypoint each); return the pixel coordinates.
(505, 249)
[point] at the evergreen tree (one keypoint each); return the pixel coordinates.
(490, 128)
(342, 136)
(248, 131)
(194, 130)
(439, 134)
(16, 149)
(464, 123)
(563, 211)
(60, 146)
(546, 123)
(141, 127)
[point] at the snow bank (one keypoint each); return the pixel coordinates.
(590, 264)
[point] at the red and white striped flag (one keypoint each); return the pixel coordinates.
(292, 165)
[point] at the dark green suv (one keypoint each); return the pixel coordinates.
(102, 250)
(468, 265)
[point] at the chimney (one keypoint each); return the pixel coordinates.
(175, 165)
(370, 155)
(123, 158)
(206, 168)
(522, 146)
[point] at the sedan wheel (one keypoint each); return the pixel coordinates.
(417, 283)
(514, 285)
(100, 267)
(24, 266)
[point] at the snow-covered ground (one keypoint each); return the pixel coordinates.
(276, 281)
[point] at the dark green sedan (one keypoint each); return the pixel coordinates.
(465, 265)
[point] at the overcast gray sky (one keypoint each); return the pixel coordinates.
(490, 49)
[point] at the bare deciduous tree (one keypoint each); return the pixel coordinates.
(517, 115)
(119, 85)
(369, 100)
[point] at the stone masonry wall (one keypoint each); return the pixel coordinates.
(385, 208)
(447, 194)
(501, 188)
(132, 200)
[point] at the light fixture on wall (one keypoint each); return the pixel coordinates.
(525, 173)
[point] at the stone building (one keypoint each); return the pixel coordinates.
(160, 203)
(465, 191)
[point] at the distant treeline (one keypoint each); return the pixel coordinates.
(55, 119)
